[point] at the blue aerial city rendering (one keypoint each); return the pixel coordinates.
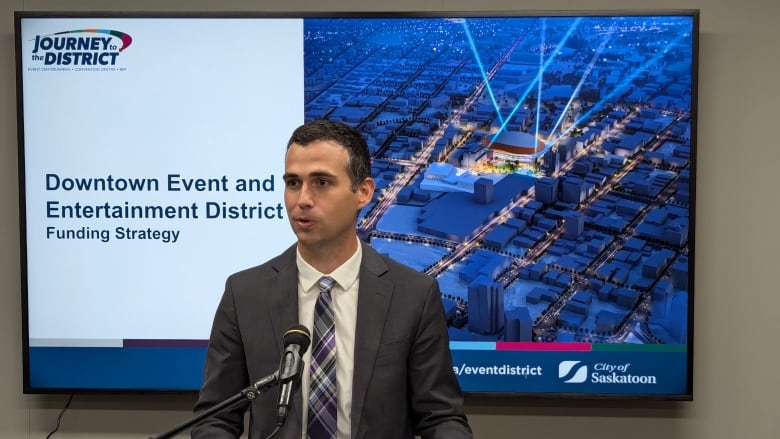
(539, 167)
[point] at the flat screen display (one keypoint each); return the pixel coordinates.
(541, 166)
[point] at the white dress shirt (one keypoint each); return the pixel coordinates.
(345, 298)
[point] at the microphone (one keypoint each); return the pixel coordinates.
(296, 341)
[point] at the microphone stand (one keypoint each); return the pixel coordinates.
(248, 394)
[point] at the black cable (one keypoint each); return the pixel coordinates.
(273, 433)
(59, 418)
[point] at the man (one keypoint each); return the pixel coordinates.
(393, 371)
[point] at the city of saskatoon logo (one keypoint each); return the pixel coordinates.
(572, 371)
(80, 47)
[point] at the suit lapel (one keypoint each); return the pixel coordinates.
(374, 296)
(283, 308)
(284, 295)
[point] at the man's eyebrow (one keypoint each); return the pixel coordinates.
(314, 174)
(322, 174)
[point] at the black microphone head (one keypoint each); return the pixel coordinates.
(298, 334)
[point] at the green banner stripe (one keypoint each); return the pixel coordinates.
(629, 347)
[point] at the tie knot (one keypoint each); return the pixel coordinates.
(326, 284)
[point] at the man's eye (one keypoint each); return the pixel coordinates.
(322, 182)
(292, 183)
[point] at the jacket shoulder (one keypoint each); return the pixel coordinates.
(266, 270)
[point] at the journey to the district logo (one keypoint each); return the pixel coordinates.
(80, 47)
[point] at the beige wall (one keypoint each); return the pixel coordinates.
(736, 385)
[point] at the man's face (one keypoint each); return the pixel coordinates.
(320, 204)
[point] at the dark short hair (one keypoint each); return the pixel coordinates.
(359, 163)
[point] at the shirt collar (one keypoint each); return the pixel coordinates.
(345, 275)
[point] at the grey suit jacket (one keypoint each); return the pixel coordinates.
(403, 383)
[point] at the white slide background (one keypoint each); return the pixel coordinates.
(198, 98)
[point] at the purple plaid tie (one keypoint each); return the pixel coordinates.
(322, 396)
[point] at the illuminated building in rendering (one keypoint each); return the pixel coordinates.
(517, 146)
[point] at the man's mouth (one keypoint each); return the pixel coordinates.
(304, 221)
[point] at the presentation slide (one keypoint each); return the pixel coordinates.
(539, 166)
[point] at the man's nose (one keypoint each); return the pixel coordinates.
(305, 195)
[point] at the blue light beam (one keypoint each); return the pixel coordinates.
(622, 86)
(482, 71)
(539, 77)
(585, 74)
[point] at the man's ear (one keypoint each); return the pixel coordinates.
(365, 191)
